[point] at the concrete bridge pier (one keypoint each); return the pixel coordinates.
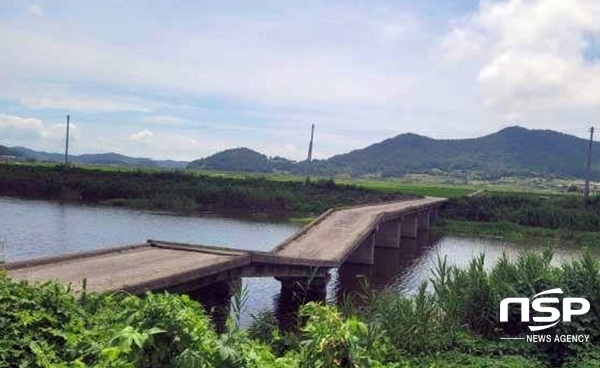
(216, 300)
(295, 292)
(316, 284)
(389, 234)
(365, 252)
(410, 226)
(423, 222)
(433, 215)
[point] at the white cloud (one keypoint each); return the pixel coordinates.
(167, 145)
(164, 120)
(20, 123)
(141, 135)
(35, 9)
(87, 104)
(18, 128)
(57, 132)
(362, 73)
(530, 55)
(339, 59)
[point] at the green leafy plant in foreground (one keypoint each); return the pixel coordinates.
(451, 321)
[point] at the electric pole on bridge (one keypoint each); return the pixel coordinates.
(586, 189)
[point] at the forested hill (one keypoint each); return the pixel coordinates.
(4, 151)
(111, 158)
(510, 151)
(243, 159)
(7, 151)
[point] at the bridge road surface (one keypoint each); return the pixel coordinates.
(341, 231)
(325, 243)
(135, 269)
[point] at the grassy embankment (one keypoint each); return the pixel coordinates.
(184, 192)
(504, 211)
(456, 325)
(525, 218)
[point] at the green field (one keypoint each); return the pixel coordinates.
(185, 191)
(425, 185)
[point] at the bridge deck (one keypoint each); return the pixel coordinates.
(134, 269)
(337, 233)
(324, 244)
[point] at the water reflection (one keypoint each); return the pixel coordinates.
(406, 268)
(30, 229)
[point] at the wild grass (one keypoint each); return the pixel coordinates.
(458, 310)
(180, 191)
(451, 322)
(552, 212)
(519, 234)
(422, 189)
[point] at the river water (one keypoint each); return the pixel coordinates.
(30, 229)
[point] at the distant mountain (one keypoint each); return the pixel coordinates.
(4, 151)
(8, 151)
(114, 159)
(97, 159)
(510, 151)
(38, 155)
(242, 159)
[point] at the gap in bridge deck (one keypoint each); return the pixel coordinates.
(349, 279)
(209, 274)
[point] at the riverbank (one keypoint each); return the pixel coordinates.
(185, 192)
(565, 212)
(519, 234)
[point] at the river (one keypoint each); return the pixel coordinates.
(30, 229)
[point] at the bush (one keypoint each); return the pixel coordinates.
(184, 191)
(451, 322)
(564, 212)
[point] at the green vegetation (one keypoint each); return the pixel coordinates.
(242, 159)
(525, 218)
(553, 212)
(106, 159)
(513, 151)
(182, 191)
(428, 189)
(456, 324)
(4, 151)
(520, 234)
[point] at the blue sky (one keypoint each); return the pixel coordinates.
(185, 79)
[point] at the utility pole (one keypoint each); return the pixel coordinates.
(67, 144)
(586, 190)
(310, 149)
